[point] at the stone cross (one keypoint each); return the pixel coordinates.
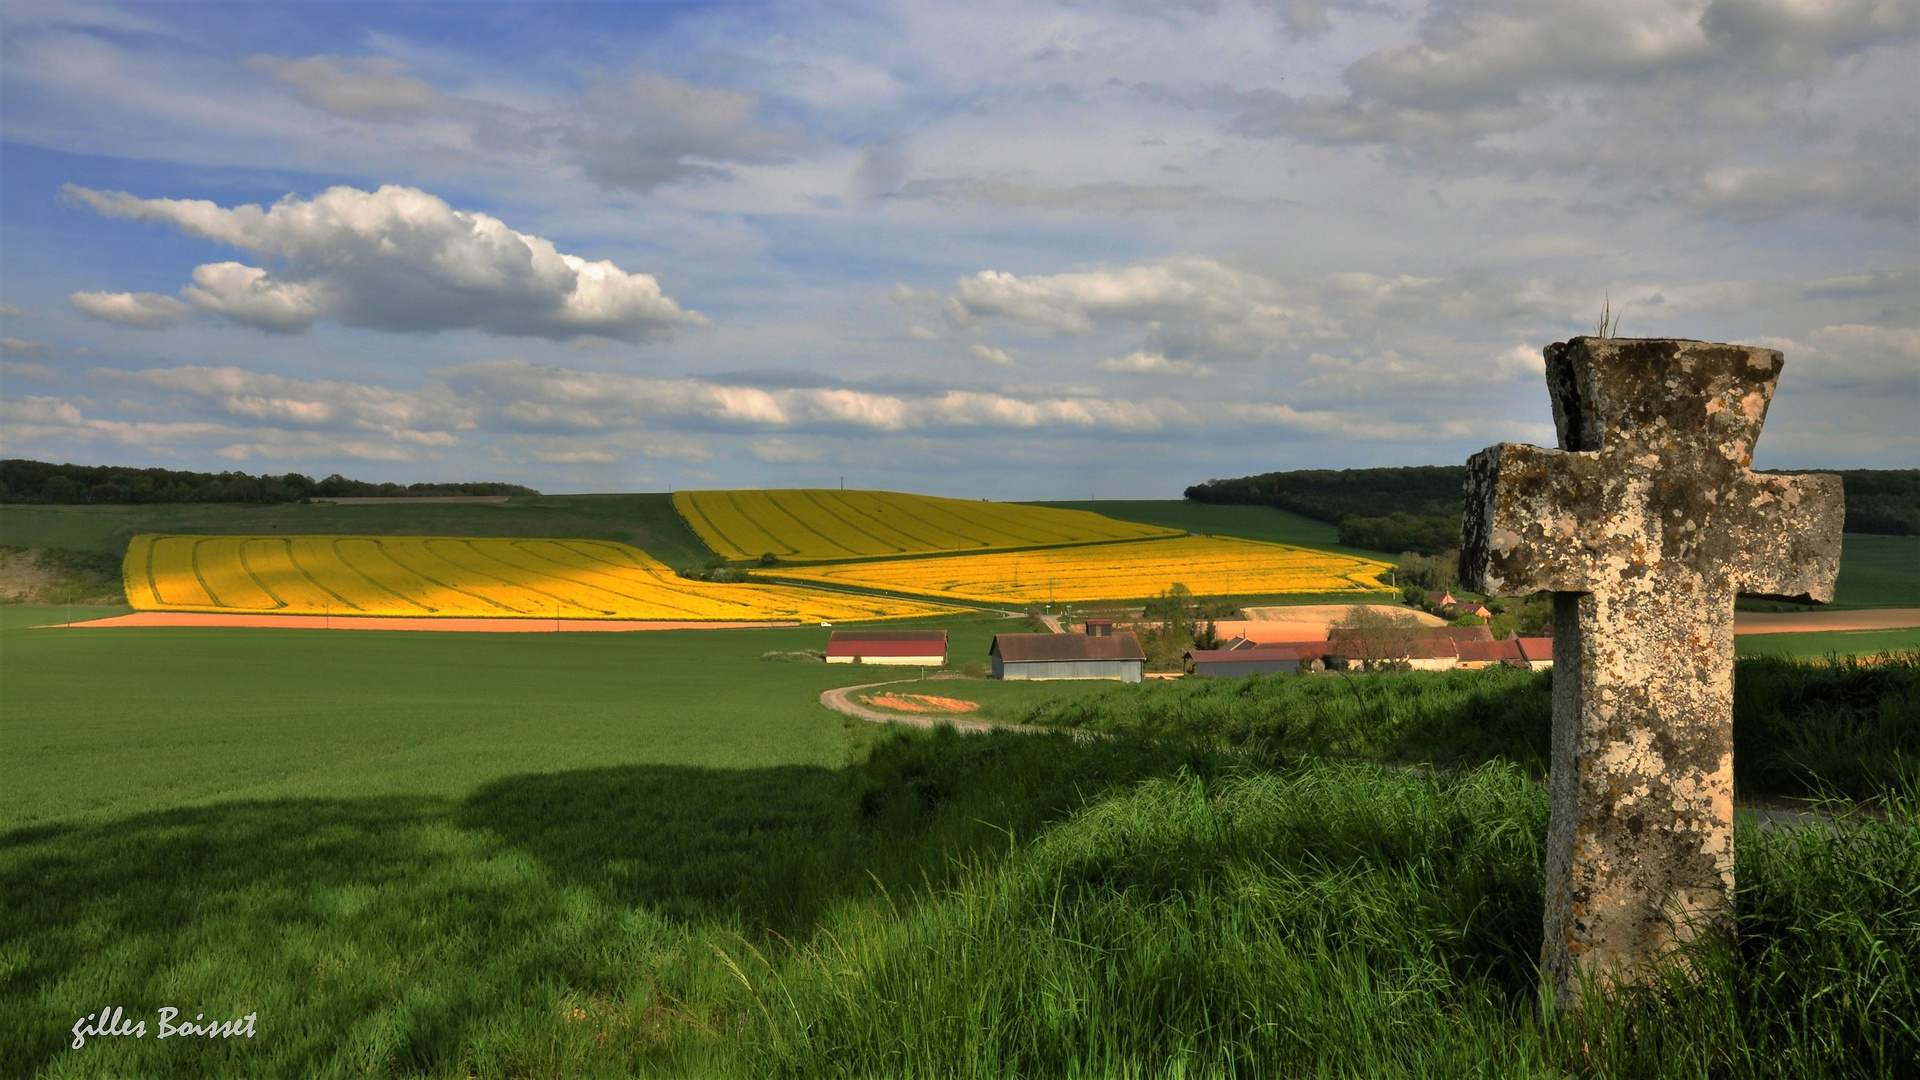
(1644, 525)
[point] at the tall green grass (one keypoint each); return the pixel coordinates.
(1832, 726)
(1837, 726)
(1453, 718)
(1338, 920)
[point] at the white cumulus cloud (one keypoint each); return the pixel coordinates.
(1191, 305)
(515, 394)
(147, 311)
(394, 259)
(425, 417)
(250, 295)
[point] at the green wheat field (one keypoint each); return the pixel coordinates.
(556, 855)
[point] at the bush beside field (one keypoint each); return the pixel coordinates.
(59, 576)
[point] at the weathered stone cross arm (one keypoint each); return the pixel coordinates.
(1645, 524)
(1579, 521)
(1651, 474)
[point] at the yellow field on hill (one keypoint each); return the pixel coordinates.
(457, 576)
(826, 525)
(1208, 565)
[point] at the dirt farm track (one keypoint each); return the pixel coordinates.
(1800, 622)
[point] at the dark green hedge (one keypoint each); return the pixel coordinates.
(23, 481)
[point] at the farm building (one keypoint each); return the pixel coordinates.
(1445, 603)
(1068, 656)
(1432, 648)
(927, 648)
(1433, 653)
(1537, 650)
(1479, 654)
(1288, 658)
(1522, 652)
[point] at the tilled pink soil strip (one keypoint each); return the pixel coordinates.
(365, 622)
(1800, 622)
(1745, 622)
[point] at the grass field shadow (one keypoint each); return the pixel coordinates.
(760, 846)
(436, 936)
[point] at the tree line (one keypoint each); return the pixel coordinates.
(1417, 508)
(23, 481)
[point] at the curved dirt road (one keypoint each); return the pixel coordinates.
(840, 700)
(1801, 622)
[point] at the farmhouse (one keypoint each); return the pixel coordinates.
(1114, 655)
(1480, 654)
(1433, 648)
(927, 648)
(1433, 652)
(1537, 650)
(1245, 658)
(1445, 603)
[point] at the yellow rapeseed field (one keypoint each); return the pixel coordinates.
(1208, 565)
(457, 576)
(826, 525)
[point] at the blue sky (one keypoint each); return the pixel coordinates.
(1007, 248)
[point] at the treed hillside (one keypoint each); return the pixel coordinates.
(23, 481)
(1394, 510)
(1882, 501)
(1418, 508)
(1333, 495)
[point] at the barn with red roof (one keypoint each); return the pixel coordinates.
(907, 648)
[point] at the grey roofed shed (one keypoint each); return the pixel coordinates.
(1068, 656)
(1274, 659)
